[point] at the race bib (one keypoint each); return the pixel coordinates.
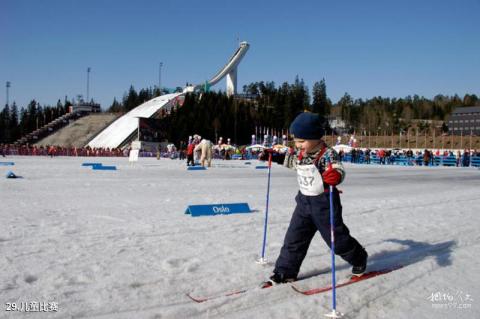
(309, 180)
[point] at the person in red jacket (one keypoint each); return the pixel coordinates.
(52, 151)
(190, 149)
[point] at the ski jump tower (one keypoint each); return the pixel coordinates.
(229, 71)
(121, 131)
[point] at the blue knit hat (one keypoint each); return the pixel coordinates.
(307, 126)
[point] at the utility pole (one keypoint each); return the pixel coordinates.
(8, 87)
(160, 77)
(88, 85)
(235, 122)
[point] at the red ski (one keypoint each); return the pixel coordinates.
(227, 294)
(352, 280)
(203, 299)
(245, 290)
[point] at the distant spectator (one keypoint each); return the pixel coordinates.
(409, 154)
(243, 152)
(190, 160)
(360, 156)
(52, 151)
(426, 157)
(228, 156)
(353, 154)
(391, 157)
(181, 155)
(367, 156)
(381, 155)
(466, 158)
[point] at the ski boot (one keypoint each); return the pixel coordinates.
(277, 279)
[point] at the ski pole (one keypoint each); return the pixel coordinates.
(262, 259)
(334, 313)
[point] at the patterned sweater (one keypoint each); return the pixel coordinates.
(292, 160)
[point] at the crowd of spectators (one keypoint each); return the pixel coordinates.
(425, 157)
(52, 150)
(356, 155)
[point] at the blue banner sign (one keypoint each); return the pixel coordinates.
(217, 209)
(104, 168)
(92, 164)
(196, 168)
(7, 163)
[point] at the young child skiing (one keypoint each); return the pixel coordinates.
(317, 168)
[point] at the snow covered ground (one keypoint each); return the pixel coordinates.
(117, 244)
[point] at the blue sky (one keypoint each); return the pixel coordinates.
(366, 48)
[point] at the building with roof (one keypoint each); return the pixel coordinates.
(464, 121)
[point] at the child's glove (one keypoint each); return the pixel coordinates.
(331, 177)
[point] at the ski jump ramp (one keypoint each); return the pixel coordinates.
(115, 134)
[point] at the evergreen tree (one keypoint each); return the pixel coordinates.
(470, 100)
(130, 100)
(346, 105)
(143, 96)
(31, 120)
(62, 107)
(157, 92)
(115, 107)
(23, 122)
(4, 124)
(13, 123)
(320, 103)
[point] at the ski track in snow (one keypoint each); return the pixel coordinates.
(117, 244)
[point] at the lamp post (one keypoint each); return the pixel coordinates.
(160, 77)
(8, 88)
(88, 84)
(235, 104)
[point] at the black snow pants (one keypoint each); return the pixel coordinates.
(190, 160)
(312, 214)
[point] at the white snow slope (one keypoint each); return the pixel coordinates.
(117, 244)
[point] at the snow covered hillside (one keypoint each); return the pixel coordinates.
(117, 244)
